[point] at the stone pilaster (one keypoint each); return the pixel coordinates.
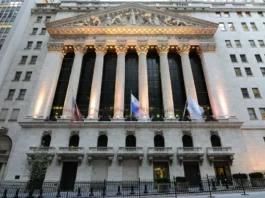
(142, 50)
(121, 50)
(166, 82)
(73, 81)
(190, 88)
(47, 82)
(96, 82)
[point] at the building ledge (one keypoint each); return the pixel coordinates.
(70, 154)
(190, 154)
(130, 153)
(220, 154)
(100, 153)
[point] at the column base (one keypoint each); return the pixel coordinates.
(170, 120)
(117, 120)
(64, 120)
(91, 120)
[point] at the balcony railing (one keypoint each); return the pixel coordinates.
(130, 153)
(100, 153)
(220, 153)
(35, 150)
(160, 150)
(190, 153)
(100, 150)
(70, 153)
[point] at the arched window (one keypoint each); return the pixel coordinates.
(102, 141)
(74, 141)
(215, 140)
(46, 140)
(187, 141)
(130, 141)
(159, 141)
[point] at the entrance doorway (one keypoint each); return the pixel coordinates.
(161, 170)
(222, 171)
(192, 173)
(68, 175)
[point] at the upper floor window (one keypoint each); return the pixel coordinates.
(102, 141)
(258, 58)
(228, 43)
(231, 26)
(46, 140)
(38, 45)
(74, 141)
(11, 94)
(130, 141)
(159, 141)
(239, 14)
(262, 69)
(29, 45)
(238, 43)
(218, 14)
(48, 19)
(261, 43)
(233, 58)
(253, 26)
(256, 93)
(248, 71)
(23, 60)
(28, 76)
(22, 94)
(226, 14)
(252, 43)
(3, 114)
(245, 27)
(238, 71)
(245, 92)
(187, 141)
(260, 14)
(248, 14)
(262, 113)
(222, 26)
(215, 140)
(43, 31)
(243, 58)
(252, 114)
(33, 60)
(34, 31)
(39, 19)
(14, 114)
(17, 76)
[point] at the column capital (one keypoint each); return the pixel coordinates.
(79, 48)
(142, 48)
(162, 49)
(56, 47)
(183, 49)
(206, 47)
(100, 48)
(121, 48)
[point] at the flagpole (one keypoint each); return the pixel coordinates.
(131, 106)
(184, 109)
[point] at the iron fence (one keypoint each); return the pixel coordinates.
(141, 188)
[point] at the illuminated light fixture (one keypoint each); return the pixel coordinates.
(157, 115)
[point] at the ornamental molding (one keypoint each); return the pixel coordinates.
(159, 133)
(162, 48)
(3, 131)
(56, 47)
(102, 133)
(47, 132)
(74, 133)
(142, 48)
(131, 18)
(80, 48)
(121, 48)
(206, 47)
(183, 49)
(100, 48)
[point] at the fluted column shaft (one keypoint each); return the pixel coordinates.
(47, 82)
(190, 88)
(143, 79)
(120, 82)
(166, 82)
(96, 82)
(73, 81)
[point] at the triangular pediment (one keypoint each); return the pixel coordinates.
(131, 18)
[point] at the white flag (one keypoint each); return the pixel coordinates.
(195, 110)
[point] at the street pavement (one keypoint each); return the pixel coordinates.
(235, 195)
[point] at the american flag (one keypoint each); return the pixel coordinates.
(76, 115)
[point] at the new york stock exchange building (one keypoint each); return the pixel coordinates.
(95, 54)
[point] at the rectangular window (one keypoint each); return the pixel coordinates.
(260, 14)
(222, 26)
(29, 45)
(38, 45)
(28, 76)
(33, 60)
(256, 93)
(10, 94)
(3, 114)
(261, 43)
(43, 31)
(34, 31)
(23, 60)
(226, 14)
(245, 27)
(218, 14)
(14, 115)
(262, 69)
(248, 14)
(48, 19)
(243, 58)
(252, 114)
(22, 94)
(233, 58)
(248, 71)
(245, 92)
(254, 27)
(239, 14)
(238, 71)
(39, 18)
(258, 58)
(238, 43)
(17, 76)
(228, 43)
(252, 43)
(262, 113)
(231, 26)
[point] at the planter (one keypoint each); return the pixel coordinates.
(238, 183)
(182, 186)
(257, 182)
(163, 187)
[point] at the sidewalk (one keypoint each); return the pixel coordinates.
(233, 195)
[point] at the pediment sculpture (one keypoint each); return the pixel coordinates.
(131, 17)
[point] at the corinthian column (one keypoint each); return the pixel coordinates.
(120, 82)
(166, 82)
(190, 88)
(47, 82)
(142, 50)
(74, 81)
(215, 81)
(96, 82)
